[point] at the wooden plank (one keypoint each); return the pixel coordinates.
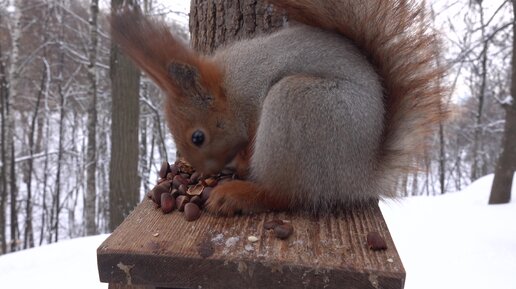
(125, 286)
(151, 248)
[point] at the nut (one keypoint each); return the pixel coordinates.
(175, 193)
(283, 231)
(158, 190)
(210, 182)
(184, 167)
(182, 189)
(165, 169)
(181, 201)
(375, 241)
(272, 224)
(179, 180)
(194, 178)
(195, 190)
(205, 195)
(192, 212)
(196, 200)
(174, 169)
(167, 203)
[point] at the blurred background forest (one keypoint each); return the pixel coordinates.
(82, 130)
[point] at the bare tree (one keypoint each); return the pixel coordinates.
(12, 94)
(91, 159)
(478, 167)
(124, 181)
(506, 165)
(3, 152)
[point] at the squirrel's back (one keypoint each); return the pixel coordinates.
(299, 49)
(251, 67)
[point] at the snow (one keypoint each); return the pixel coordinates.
(455, 240)
(507, 100)
(450, 241)
(67, 264)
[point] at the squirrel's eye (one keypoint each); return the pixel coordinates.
(198, 138)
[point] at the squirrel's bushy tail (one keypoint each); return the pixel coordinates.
(396, 37)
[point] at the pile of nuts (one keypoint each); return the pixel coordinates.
(181, 187)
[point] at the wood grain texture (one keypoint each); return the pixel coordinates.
(125, 286)
(150, 248)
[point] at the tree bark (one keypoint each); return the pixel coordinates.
(3, 152)
(123, 169)
(442, 158)
(478, 167)
(506, 165)
(44, 212)
(28, 235)
(217, 22)
(14, 76)
(91, 152)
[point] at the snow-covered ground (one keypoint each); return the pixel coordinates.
(456, 240)
(452, 241)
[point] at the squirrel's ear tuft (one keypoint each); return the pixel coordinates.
(184, 75)
(187, 78)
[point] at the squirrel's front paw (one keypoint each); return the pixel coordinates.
(234, 197)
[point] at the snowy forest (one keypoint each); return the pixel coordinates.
(82, 133)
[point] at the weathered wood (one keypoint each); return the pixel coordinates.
(150, 248)
(125, 286)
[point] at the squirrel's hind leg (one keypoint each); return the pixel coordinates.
(317, 140)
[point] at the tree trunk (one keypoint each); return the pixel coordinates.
(442, 158)
(91, 152)
(56, 202)
(506, 165)
(478, 166)
(3, 152)
(123, 168)
(213, 23)
(45, 212)
(144, 165)
(415, 184)
(14, 77)
(28, 235)
(56, 199)
(103, 200)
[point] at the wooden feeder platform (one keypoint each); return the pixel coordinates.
(153, 250)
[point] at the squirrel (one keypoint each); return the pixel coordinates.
(324, 113)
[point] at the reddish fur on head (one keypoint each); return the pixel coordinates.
(192, 83)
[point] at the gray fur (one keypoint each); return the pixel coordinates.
(320, 108)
